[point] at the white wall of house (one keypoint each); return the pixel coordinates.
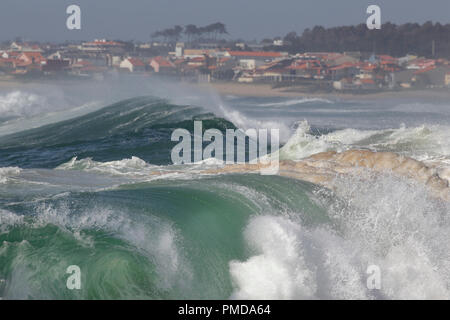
(116, 60)
(154, 65)
(126, 64)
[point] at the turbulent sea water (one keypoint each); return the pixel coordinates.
(77, 188)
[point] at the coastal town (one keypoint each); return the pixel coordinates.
(237, 62)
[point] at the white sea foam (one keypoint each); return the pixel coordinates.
(137, 169)
(419, 142)
(8, 172)
(429, 144)
(279, 270)
(134, 165)
(9, 219)
(379, 220)
(20, 103)
(292, 102)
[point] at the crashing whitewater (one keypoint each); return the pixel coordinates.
(139, 227)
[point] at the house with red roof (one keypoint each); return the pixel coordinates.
(55, 65)
(254, 59)
(162, 65)
(8, 64)
(29, 58)
(132, 65)
(344, 70)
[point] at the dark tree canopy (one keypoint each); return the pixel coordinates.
(191, 31)
(392, 39)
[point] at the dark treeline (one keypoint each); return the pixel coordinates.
(191, 32)
(392, 39)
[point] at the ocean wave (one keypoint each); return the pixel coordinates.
(407, 240)
(125, 117)
(253, 237)
(147, 236)
(423, 143)
(344, 200)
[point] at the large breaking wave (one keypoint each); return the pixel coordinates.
(99, 191)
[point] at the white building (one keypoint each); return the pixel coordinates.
(132, 65)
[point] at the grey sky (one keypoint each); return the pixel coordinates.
(248, 19)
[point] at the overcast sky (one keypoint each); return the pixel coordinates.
(247, 19)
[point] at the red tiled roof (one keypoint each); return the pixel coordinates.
(197, 59)
(386, 57)
(136, 62)
(368, 67)
(163, 62)
(36, 57)
(9, 60)
(104, 43)
(178, 61)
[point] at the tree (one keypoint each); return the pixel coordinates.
(190, 31)
(170, 34)
(396, 40)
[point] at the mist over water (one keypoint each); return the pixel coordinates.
(86, 179)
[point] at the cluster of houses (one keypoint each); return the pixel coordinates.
(321, 70)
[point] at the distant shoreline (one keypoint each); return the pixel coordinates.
(266, 90)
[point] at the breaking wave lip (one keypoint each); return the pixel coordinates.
(428, 144)
(408, 142)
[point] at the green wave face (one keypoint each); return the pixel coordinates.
(166, 240)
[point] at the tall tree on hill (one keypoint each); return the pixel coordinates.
(169, 34)
(191, 31)
(396, 40)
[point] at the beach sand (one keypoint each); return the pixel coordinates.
(266, 90)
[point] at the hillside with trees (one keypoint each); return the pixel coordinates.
(392, 39)
(192, 33)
